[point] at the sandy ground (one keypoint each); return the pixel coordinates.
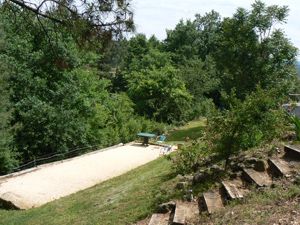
(56, 180)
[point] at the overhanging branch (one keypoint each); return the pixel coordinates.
(36, 11)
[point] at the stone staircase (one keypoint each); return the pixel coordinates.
(232, 189)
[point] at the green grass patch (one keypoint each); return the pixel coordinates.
(192, 130)
(121, 200)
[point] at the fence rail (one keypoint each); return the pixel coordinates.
(47, 158)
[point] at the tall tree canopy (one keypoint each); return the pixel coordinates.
(53, 98)
(252, 51)
(247, 49)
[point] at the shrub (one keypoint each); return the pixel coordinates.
(245, 124)
(186, 159)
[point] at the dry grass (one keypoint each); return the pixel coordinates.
(277, 205)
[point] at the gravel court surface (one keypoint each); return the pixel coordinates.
(60, 179)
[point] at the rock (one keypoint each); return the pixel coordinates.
(260, 165)
(199, 177)
(181, 185)
(241, 166)
(180, 177)
(278, 150)
(296, 179)
(233, 175)
(216, 169)
(166, 207)
(190, 196)
(188, 178)
(235, 166)
(294, 212)
(255, 163)
(250, 161)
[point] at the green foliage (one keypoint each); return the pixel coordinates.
(296, 122)
(242, 51)
(191, 147)
(186, 158)
(200, 77)
(181, 41)
(208, 27)
(54, 99)
(250, 51)
(246, 124)
(243, 125)
(59, 91)
(298, 68)
(7, 154)
(201, 81)
(153, 84)
(194, 39)
(159, 94)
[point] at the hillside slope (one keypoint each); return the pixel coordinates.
(279, 205)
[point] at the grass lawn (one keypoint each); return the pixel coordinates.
(193, 130)
(121, 200)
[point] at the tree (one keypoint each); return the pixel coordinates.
(200, 77)
(8, 158)
(208, 28)
(194, 39)
(153, 83)
(251, 51)
(191, 45)
(56, 99)
(101, 17)
(181, 41)
(160, 94)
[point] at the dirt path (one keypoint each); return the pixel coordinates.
(54, 181)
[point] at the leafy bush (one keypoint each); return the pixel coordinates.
(246, 124)
(186, 158)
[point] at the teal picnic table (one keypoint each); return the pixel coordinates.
(146, 137)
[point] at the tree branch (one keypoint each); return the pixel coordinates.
(36, 11)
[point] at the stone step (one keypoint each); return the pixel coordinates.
(213, 201)
(234, 188)
(292, 152)
(279, 167)
(184, 212)
(159, 219)
(261, 179)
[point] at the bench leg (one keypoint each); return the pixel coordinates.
(146, 141)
